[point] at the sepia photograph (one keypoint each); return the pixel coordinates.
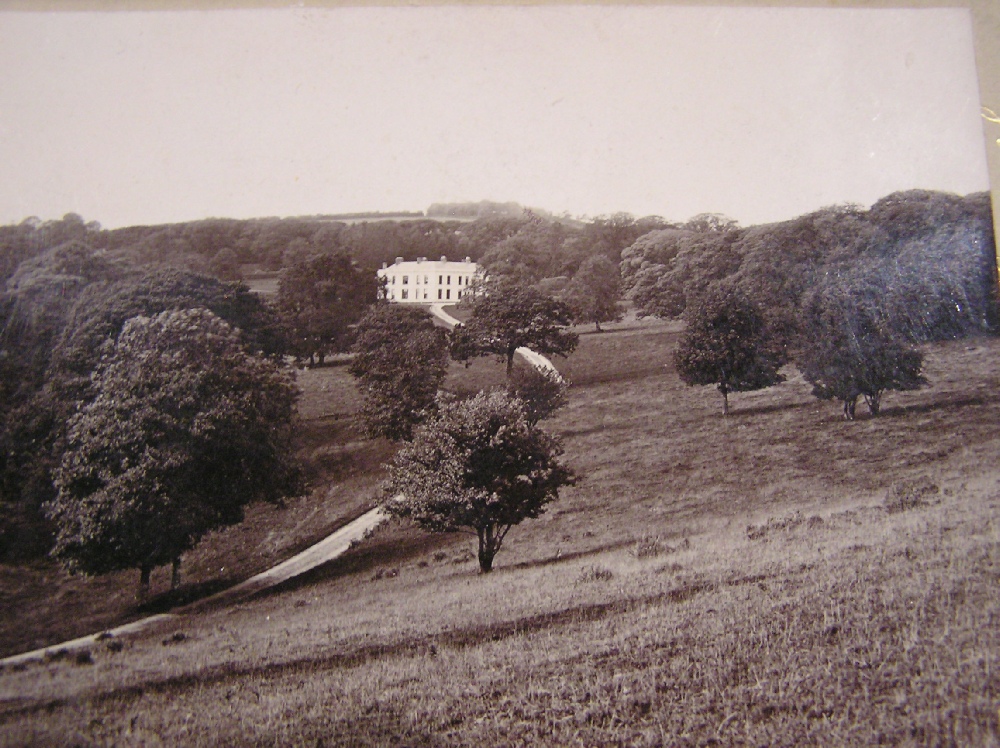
(499, 375)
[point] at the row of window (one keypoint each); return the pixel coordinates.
(442, 280)
(405, 294)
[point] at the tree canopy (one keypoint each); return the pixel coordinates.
(477, 465)
(932, 253)
(400, 360)
(727, 343)
(186, 428)
(319, 299)
(507, 316)
(594, 293)
(848, 351)
(36, 301)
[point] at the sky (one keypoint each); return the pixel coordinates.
(760, 114)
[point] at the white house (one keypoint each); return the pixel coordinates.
(427, 281)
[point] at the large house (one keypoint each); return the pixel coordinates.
(427, 281)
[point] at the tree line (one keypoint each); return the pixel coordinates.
(847, 294)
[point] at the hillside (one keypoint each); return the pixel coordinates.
(733, 580)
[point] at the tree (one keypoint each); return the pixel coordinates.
(320, 299)
(478, 465)
(848, 352)
(225, 265)
(727, 343)
(400, 361)
(595, 292)
(506, 316)
(543, 391)
(185, 430)
(34, 309)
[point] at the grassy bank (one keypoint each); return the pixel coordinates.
(734, 580)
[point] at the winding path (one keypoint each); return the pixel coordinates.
(326, 550)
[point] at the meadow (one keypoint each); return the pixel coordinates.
(777, 576)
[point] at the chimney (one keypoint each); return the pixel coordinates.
(468, 259)
(383, 266)
(444, 259)
(398, 260)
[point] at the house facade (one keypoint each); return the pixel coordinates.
(427, 281)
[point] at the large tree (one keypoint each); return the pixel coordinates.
(849, 351)
(594, 293)
(320, 299)
(477, 466)
(507, 316)
(186, 429)
(400, 361)
(727, 343)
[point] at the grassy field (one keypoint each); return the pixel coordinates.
(776, 577)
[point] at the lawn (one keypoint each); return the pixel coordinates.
(778, 576)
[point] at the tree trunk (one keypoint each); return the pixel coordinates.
(725, 400)
(489, 544)
(510, 360)
(849, 405)
(598, 324)
(143, 592)
(874, 402)
(485, 560)
(175, 574)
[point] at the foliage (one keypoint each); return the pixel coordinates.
(37, 300)
(186, 429)
(940, 286)
(595, 293)
(62, 315)
(506, 316)
(932, 254)
(669, 270)
(727, 343)
(543, 391)
(477, 465)
(100, 313)
(400, 360)
(610, 235)
(847, 352)
(320, 299)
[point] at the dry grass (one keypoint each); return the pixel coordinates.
(738, 580)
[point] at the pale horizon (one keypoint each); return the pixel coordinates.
(760, 114)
